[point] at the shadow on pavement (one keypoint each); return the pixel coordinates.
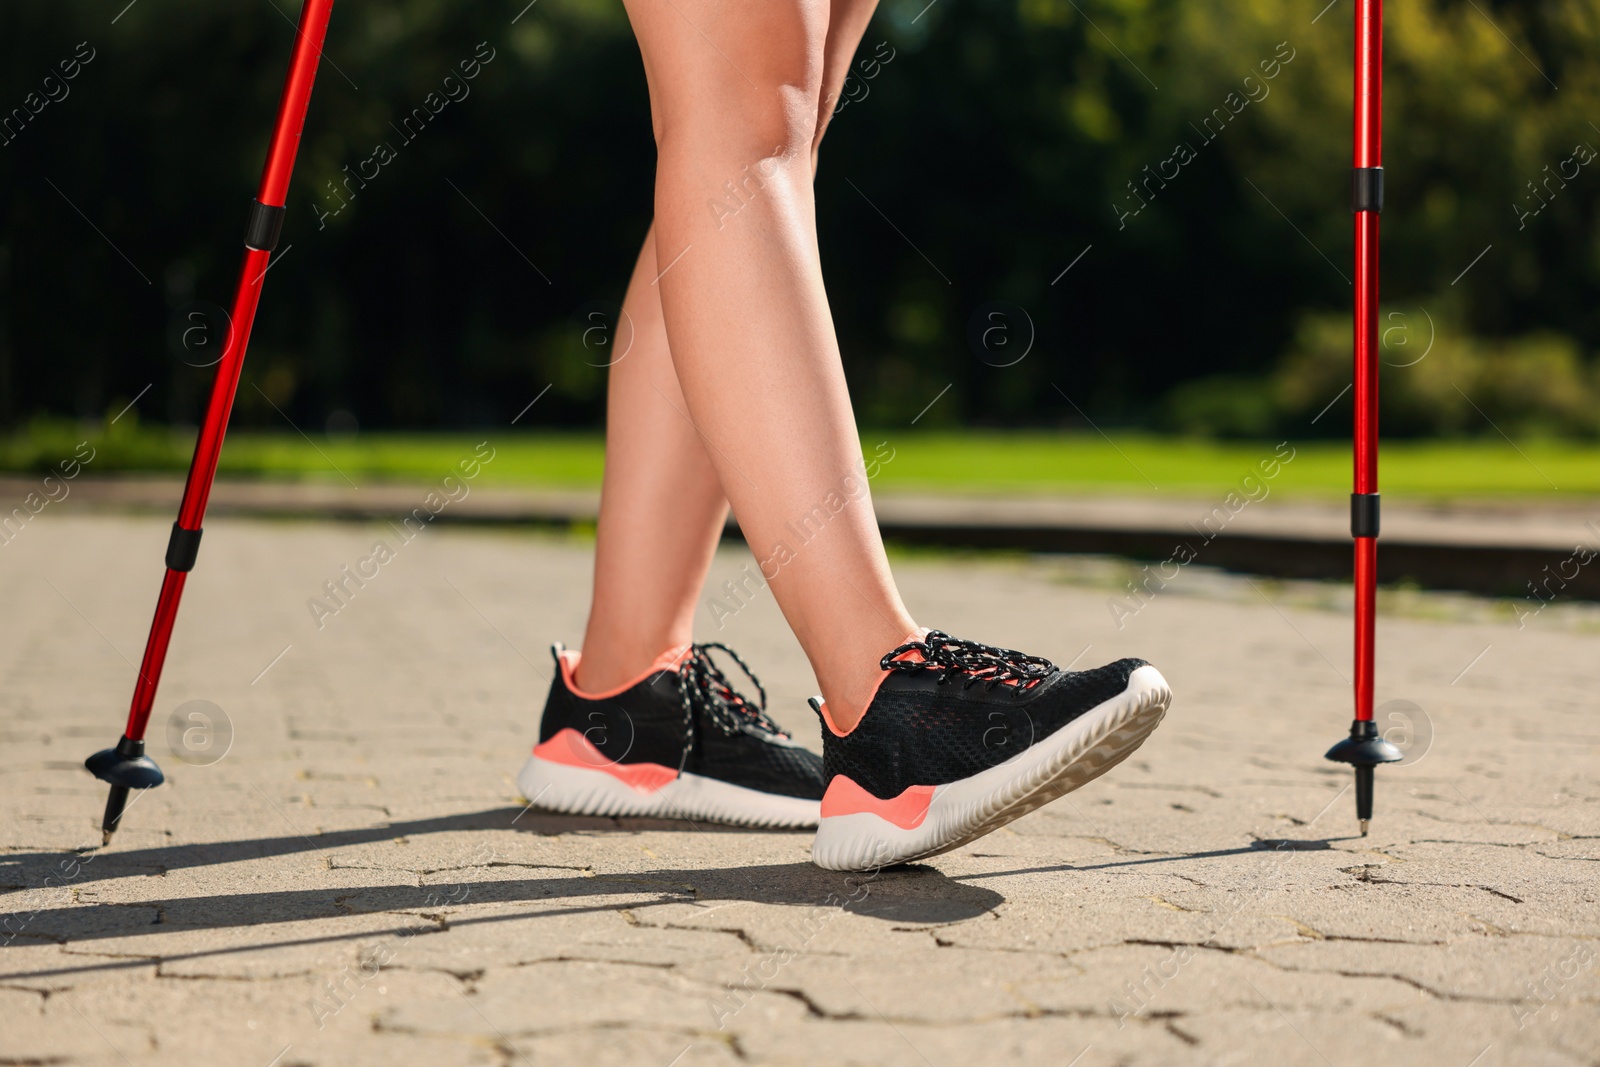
(1266, 845)
(24, 870)
(911, 894)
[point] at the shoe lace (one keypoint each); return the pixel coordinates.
(704, 687)
(977, 663)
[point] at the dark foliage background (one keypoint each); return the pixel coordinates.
(998, 141)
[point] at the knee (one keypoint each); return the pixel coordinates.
(757, 96)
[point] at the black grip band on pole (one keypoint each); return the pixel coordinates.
(1366, 189)
(1363, 514)
(266, 223)
(183, 548)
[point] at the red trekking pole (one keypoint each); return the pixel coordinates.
(1365, 748)
(126, 766)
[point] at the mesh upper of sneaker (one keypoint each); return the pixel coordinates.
(640, 724)
(922, 730)
(689, 718)
(755, 759)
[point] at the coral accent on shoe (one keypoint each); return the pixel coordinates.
(569, 658)
(845, 797)
(912, 656)
(572, 749)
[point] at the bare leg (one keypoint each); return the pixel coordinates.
(661, 506)
(847, 21)
(735, 93)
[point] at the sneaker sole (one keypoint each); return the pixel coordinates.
(584, 791)
(963, 811)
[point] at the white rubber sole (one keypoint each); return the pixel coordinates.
(584, 791)
(963, 811)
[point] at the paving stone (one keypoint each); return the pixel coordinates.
(863, 1037)
(357, 881)
(561, 995)
(1483, 968)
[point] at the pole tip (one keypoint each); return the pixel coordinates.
(1364, 824)
(116, 802)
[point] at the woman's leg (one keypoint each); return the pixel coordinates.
(658, 477)
(847, 21)
(661, 506)
(735, 94)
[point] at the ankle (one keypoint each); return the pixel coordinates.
(608, 668)
(848, 694)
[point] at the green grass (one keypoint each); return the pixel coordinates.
(1136, 463)
(1030, 462)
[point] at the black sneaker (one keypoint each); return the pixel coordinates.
(934, 764)
(677, 742)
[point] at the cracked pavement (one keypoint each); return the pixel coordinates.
(357, 881)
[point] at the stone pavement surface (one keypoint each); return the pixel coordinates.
(357, 881)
